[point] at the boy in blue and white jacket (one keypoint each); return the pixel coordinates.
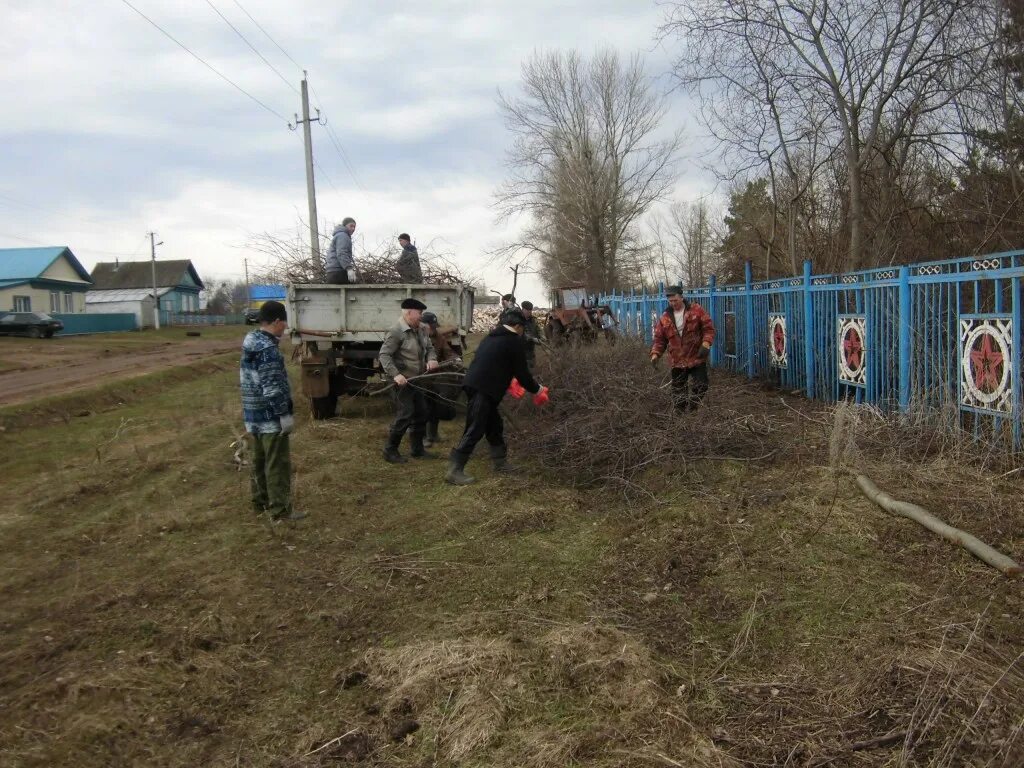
(268, 413)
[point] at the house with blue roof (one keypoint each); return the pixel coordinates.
(48, 279)
(261, 293)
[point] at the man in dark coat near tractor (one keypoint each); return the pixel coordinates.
(500, 362)
(687, 332)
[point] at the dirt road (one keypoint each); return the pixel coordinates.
(32, 373)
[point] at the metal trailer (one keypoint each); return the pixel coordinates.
(339, 330)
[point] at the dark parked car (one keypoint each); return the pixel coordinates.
(34, 324)
(252, 317)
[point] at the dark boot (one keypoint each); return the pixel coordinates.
(390, 452)
(433, 437)
(416, 447)
(456, 474)
(499, 454)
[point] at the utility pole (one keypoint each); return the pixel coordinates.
(156, 297)
(314, 234)
(248, 293)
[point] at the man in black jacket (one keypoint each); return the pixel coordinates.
(500, 357)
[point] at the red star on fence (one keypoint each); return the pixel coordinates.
(779, 340)
(853, 349)
(987, 365)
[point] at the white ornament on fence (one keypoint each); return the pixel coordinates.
(986, 346)
(852, 349)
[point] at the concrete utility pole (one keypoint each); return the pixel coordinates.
(314, 234)
(248, 292)
(156, 297)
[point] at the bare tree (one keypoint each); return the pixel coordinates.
(854, 80)
(586, 163)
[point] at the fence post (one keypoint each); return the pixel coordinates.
(712, 310)
(748, 279)
(904, 329)
(808, 332)
(1015, 359)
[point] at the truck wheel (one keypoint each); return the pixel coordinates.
(323, 407)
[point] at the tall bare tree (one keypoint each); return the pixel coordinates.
(855, 80)
(589, 158)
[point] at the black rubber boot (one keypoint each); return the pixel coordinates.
(433, 436)
(390, 452)
(416, 447)
(499, 454)
(456, 474)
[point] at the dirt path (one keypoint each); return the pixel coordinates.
(74, 372)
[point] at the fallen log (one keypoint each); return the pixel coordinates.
(922, 516)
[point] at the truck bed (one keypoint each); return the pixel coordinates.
(365, 313)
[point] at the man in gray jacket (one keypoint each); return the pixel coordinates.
(407, 352)
(408, 265)
(341, 266)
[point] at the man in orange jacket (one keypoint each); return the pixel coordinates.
(687, 332)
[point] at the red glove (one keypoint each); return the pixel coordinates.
(516, 389)
(541, 397)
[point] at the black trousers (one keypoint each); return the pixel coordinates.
(687, 398)
(410, 412)
(337, 277)
(482, 421)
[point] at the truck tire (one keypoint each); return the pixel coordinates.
(323, 407)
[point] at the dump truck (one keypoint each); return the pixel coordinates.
(339, 330)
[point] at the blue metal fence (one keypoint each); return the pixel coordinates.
(168, 318)
(99, 323)
(939, 338)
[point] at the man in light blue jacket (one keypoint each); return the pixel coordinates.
(341, 266)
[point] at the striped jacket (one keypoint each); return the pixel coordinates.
(266, 394)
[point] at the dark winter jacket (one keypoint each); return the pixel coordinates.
(339, 253)
(500, 357)
(684, 350)
(409, 265)
(266, 395)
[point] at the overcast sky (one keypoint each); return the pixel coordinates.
(110, 129)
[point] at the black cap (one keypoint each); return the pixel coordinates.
(429, 318)
(513, 316)
(404, 236)
(413, 304)
(271, 311)
(508, 297)
(674, 290)
(527, 305)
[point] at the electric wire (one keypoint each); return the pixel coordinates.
(261, 29)
(206, 64)
(251, 46)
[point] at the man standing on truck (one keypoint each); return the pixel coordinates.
(407, 352)
(408, 265)
(687, 332)
(340, 264)
(500, 358)
(268, 413)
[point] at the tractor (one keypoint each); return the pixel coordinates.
(572, 317)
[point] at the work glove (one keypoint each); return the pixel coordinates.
(704, 352)
(351, 275)
(541, 397)
(516, 389)
(287, 424)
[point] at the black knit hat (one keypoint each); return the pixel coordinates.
(513, 316)
(404, 236)
(674, 290)
(527, 305)
(271, 311)
(429, 318)
(413, 304)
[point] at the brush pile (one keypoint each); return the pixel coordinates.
(378, 269)
(612, 423)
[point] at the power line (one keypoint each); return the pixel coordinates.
(74, 248)
(334, 140)
(251, 46)
(261, 29)
(205, 63)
